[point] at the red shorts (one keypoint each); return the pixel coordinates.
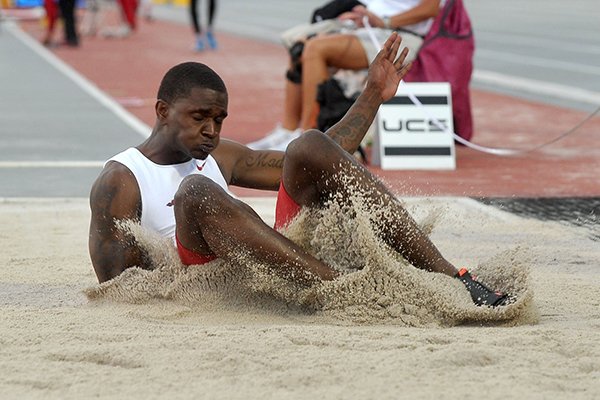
(190, 257)
(285, 211)
(286, 208)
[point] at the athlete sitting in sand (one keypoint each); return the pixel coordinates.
(175, 183)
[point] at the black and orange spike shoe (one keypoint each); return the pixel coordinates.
(481, 294)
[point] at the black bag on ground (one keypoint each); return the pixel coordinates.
(333, 8)
(333, 104)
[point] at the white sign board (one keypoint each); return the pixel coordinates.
(407, 136)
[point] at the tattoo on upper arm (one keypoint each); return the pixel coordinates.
(352, 131)
(265, 160)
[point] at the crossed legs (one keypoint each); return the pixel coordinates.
(320, 53)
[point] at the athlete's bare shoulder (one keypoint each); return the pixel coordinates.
(115, 196)
(115, 193)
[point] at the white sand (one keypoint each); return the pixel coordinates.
(388, 331)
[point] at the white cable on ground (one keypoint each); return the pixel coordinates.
(490, 150)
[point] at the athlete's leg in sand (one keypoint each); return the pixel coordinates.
(210, 221)
(311, 173)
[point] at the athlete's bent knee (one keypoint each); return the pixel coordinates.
(195, 191)
(306, 145)
(312, 149)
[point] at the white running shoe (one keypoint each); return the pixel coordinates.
(117, 32)
(288, 139)
(273, 139)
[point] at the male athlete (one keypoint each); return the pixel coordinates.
(175, 183)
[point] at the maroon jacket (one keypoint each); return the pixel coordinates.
(447, 56)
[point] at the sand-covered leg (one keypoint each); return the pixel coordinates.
(317, 169)
(210, 221)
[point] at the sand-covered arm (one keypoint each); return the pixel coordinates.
(114, 197)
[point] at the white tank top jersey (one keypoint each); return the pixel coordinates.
(388, 8)
(159, 183)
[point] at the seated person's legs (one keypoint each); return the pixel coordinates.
(352, 51)
(302, 80)
(321, 52)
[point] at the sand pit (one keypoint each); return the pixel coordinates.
(388, 331)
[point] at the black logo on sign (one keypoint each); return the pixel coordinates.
(416, 125)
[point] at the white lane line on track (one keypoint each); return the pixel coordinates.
(537, 87)
(495, 212)
(79, 80)
(549, 63)
(51, 164)
(565, 45)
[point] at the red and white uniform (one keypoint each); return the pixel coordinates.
(159, 183)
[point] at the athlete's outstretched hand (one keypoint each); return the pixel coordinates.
(385, 74)
(386, 71)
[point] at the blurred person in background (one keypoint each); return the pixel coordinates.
(203, 38)
(349, 49)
